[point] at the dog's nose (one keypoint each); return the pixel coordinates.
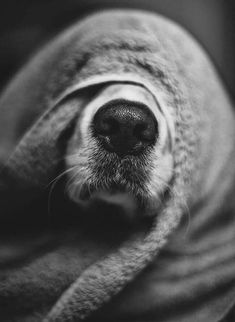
(125, 127)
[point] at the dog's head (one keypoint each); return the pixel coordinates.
(122, 144)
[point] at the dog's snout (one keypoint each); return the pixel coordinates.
(125, 128)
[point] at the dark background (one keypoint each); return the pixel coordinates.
(27, 24)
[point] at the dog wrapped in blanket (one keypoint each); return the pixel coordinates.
(117, 149)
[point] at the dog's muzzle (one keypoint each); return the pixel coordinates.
(120, 148)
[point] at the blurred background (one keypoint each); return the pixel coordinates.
(26, 25)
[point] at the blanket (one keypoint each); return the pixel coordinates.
(61, 261)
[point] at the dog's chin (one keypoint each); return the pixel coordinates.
(116, 205)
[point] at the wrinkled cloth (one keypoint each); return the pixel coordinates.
(181, 267)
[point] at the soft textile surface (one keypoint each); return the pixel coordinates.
(181, 266)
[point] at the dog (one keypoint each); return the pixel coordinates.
(122, 144)
(123, 115)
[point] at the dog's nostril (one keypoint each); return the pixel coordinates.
(125, 127)
(145, 131)
(107, 126)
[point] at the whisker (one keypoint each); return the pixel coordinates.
(77, 175)
(60, 176)
(53, 183)
(70, 181)
(49, 199)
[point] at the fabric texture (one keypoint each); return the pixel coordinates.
(181, 267)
